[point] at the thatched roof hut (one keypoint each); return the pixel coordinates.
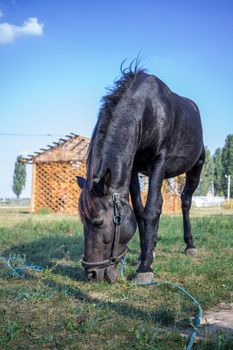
(54, 174)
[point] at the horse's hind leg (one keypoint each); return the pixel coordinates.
(191, 183)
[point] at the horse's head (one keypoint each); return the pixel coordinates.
(109, 223)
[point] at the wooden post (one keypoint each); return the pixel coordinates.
(33, 192)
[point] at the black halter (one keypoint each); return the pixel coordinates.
(117, 219)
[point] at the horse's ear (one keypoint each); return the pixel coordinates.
(81, 181)
(101, 187)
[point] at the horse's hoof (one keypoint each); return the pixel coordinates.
(144, 278)
(190, 251)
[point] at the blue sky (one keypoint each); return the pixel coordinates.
(57, 58)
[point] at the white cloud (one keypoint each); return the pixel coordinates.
(9, 32)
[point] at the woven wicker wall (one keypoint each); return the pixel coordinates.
(171, 199)
(55, 186)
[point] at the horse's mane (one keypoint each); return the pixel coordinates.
(109, 102)
(86, 207)
(115, 93)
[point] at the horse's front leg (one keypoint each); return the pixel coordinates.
(138, 207)
(151, 216)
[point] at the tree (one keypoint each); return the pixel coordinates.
(218, 172)
(19, 177)
(207, 175)
(227, 164)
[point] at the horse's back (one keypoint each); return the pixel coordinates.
(170, 123)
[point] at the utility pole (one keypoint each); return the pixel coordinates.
(228, 177)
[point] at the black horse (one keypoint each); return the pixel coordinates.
(143, 127)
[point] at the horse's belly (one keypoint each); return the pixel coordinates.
(177, 165)
(185, 150)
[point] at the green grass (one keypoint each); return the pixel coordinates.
(57, 309)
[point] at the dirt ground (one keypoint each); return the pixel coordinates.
(218, 320)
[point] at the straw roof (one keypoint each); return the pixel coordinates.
(72, 148)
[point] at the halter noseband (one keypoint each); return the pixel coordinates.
(117, 219)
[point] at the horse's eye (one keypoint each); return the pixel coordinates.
(98, 222)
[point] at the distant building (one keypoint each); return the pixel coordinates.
(207, 201)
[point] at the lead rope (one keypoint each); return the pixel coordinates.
(197, 322)
(17, 266)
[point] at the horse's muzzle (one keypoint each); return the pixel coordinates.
(95, 274)
(108, 273)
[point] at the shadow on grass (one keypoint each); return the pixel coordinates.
(60, 253)
(164, 321)
(121, 308)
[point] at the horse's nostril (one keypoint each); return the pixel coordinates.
(95, 275)
(91, 275)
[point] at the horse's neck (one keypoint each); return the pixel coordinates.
(115, 151)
